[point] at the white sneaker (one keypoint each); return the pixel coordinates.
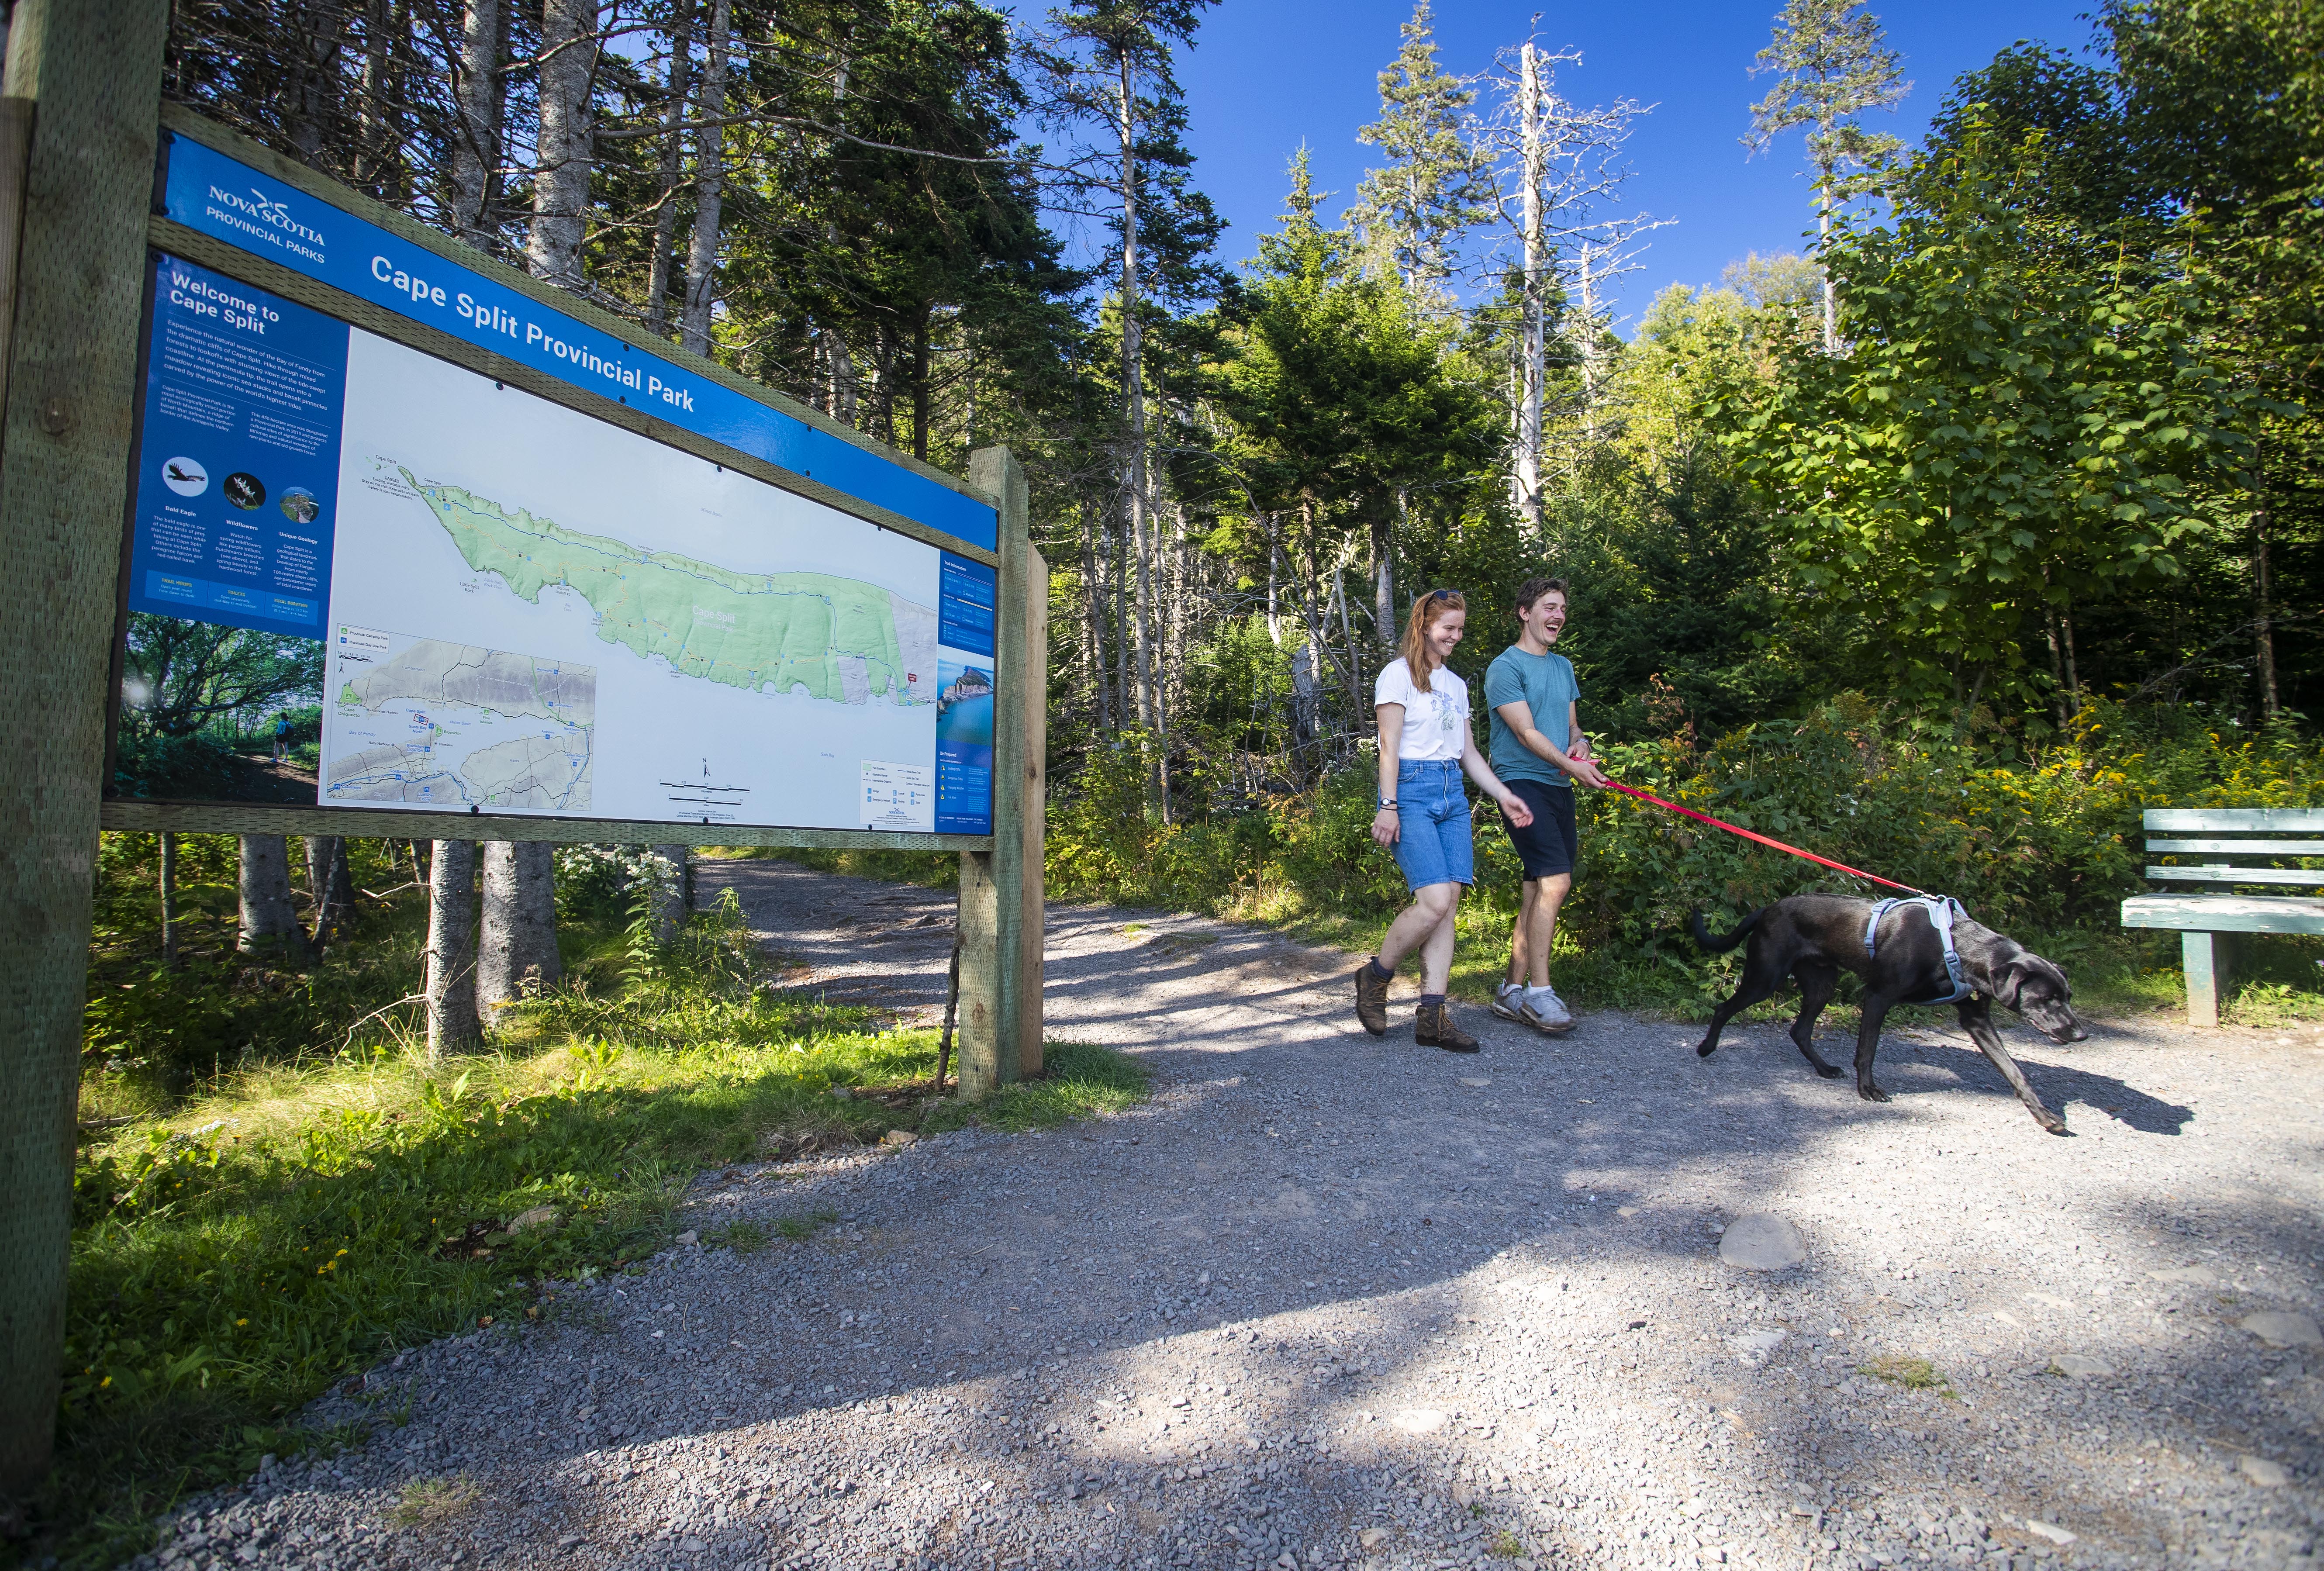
(1509, 1000)
(1542, 1009)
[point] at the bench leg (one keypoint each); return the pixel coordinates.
(2199, 954)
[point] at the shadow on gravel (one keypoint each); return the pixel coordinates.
(2057, 1084)
(1448, 1298)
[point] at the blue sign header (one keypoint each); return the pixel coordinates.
(227, 199)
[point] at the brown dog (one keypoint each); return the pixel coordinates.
(1813, 936)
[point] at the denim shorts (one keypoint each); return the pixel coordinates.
(1434, 844)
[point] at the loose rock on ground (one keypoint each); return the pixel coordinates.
(1325, 1302)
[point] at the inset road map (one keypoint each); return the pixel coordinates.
(425, 721)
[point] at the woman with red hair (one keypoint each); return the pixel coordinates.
(1425, 746)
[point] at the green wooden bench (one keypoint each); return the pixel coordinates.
(2199, 918)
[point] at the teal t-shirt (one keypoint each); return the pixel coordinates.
(1544, 684)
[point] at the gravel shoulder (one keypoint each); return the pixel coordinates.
(1329, 1301)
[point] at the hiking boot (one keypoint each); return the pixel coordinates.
(1371, 998)
(1542, 1009)
(1508, 1002)
(1432, 1027)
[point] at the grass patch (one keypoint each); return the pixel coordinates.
(1912, 1374)
(428, 1501)
(806, 1226)
(743, 1237)
(284, 1228)
(1077, 1081)
(1506, 1546)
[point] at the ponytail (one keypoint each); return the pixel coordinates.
(1425, 610)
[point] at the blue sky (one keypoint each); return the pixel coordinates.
(1268, 74)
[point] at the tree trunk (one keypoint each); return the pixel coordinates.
(1383, 573)
(2264, 614)
(374, 147)
(451, 948)
(2058, 703)
(330, 884)
(1125, 706)
(316, 87)
(840, 357)
(1526, 484)
(920, 385)
(170, 898)
(709, 189)
(2073, 673)
(269, 923)
(516, 954)
(1133, 397)
(478, 94)
(1094, 614)
(566, 142)
(1273, 563)
(673, 147)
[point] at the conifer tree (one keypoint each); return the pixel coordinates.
(1836, 64)
(1436, 186)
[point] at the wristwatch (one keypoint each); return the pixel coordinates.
(1388, 804)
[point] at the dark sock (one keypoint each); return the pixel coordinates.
(1427, 999)
(1380, 970)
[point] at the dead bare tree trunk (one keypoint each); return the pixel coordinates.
(673, 148)
(451, 987)
(709, 188)
(1525, 482)
(479, 92)
(566, 145)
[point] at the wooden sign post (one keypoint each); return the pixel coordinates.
(82, 228)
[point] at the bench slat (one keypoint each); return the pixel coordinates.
(2245, 847)
(2234, 875)
(2248, 818)
(2225, 913)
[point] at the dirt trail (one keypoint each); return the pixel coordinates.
(1332, 1301)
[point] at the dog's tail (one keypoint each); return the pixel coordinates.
(1714, 946)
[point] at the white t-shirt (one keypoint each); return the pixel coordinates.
(1436, 722)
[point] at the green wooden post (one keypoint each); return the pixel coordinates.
(93, 70)
(1000, 890)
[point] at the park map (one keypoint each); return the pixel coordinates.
(841, 639)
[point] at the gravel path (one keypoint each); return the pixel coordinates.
(1327, 1301)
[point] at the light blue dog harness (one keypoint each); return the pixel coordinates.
(1942, 909)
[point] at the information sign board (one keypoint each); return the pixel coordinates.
(523, 610)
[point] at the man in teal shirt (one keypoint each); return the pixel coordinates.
(1538, 749)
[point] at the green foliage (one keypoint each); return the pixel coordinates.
(2017, 424)
(158, 1029)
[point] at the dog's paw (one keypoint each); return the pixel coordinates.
(1872, 1094)
(1706, 1049)
(1828, 1071)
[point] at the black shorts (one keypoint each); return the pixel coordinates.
(1547, 845)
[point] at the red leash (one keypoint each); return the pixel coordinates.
(1762, 839)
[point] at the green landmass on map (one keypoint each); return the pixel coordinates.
(752, 631)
